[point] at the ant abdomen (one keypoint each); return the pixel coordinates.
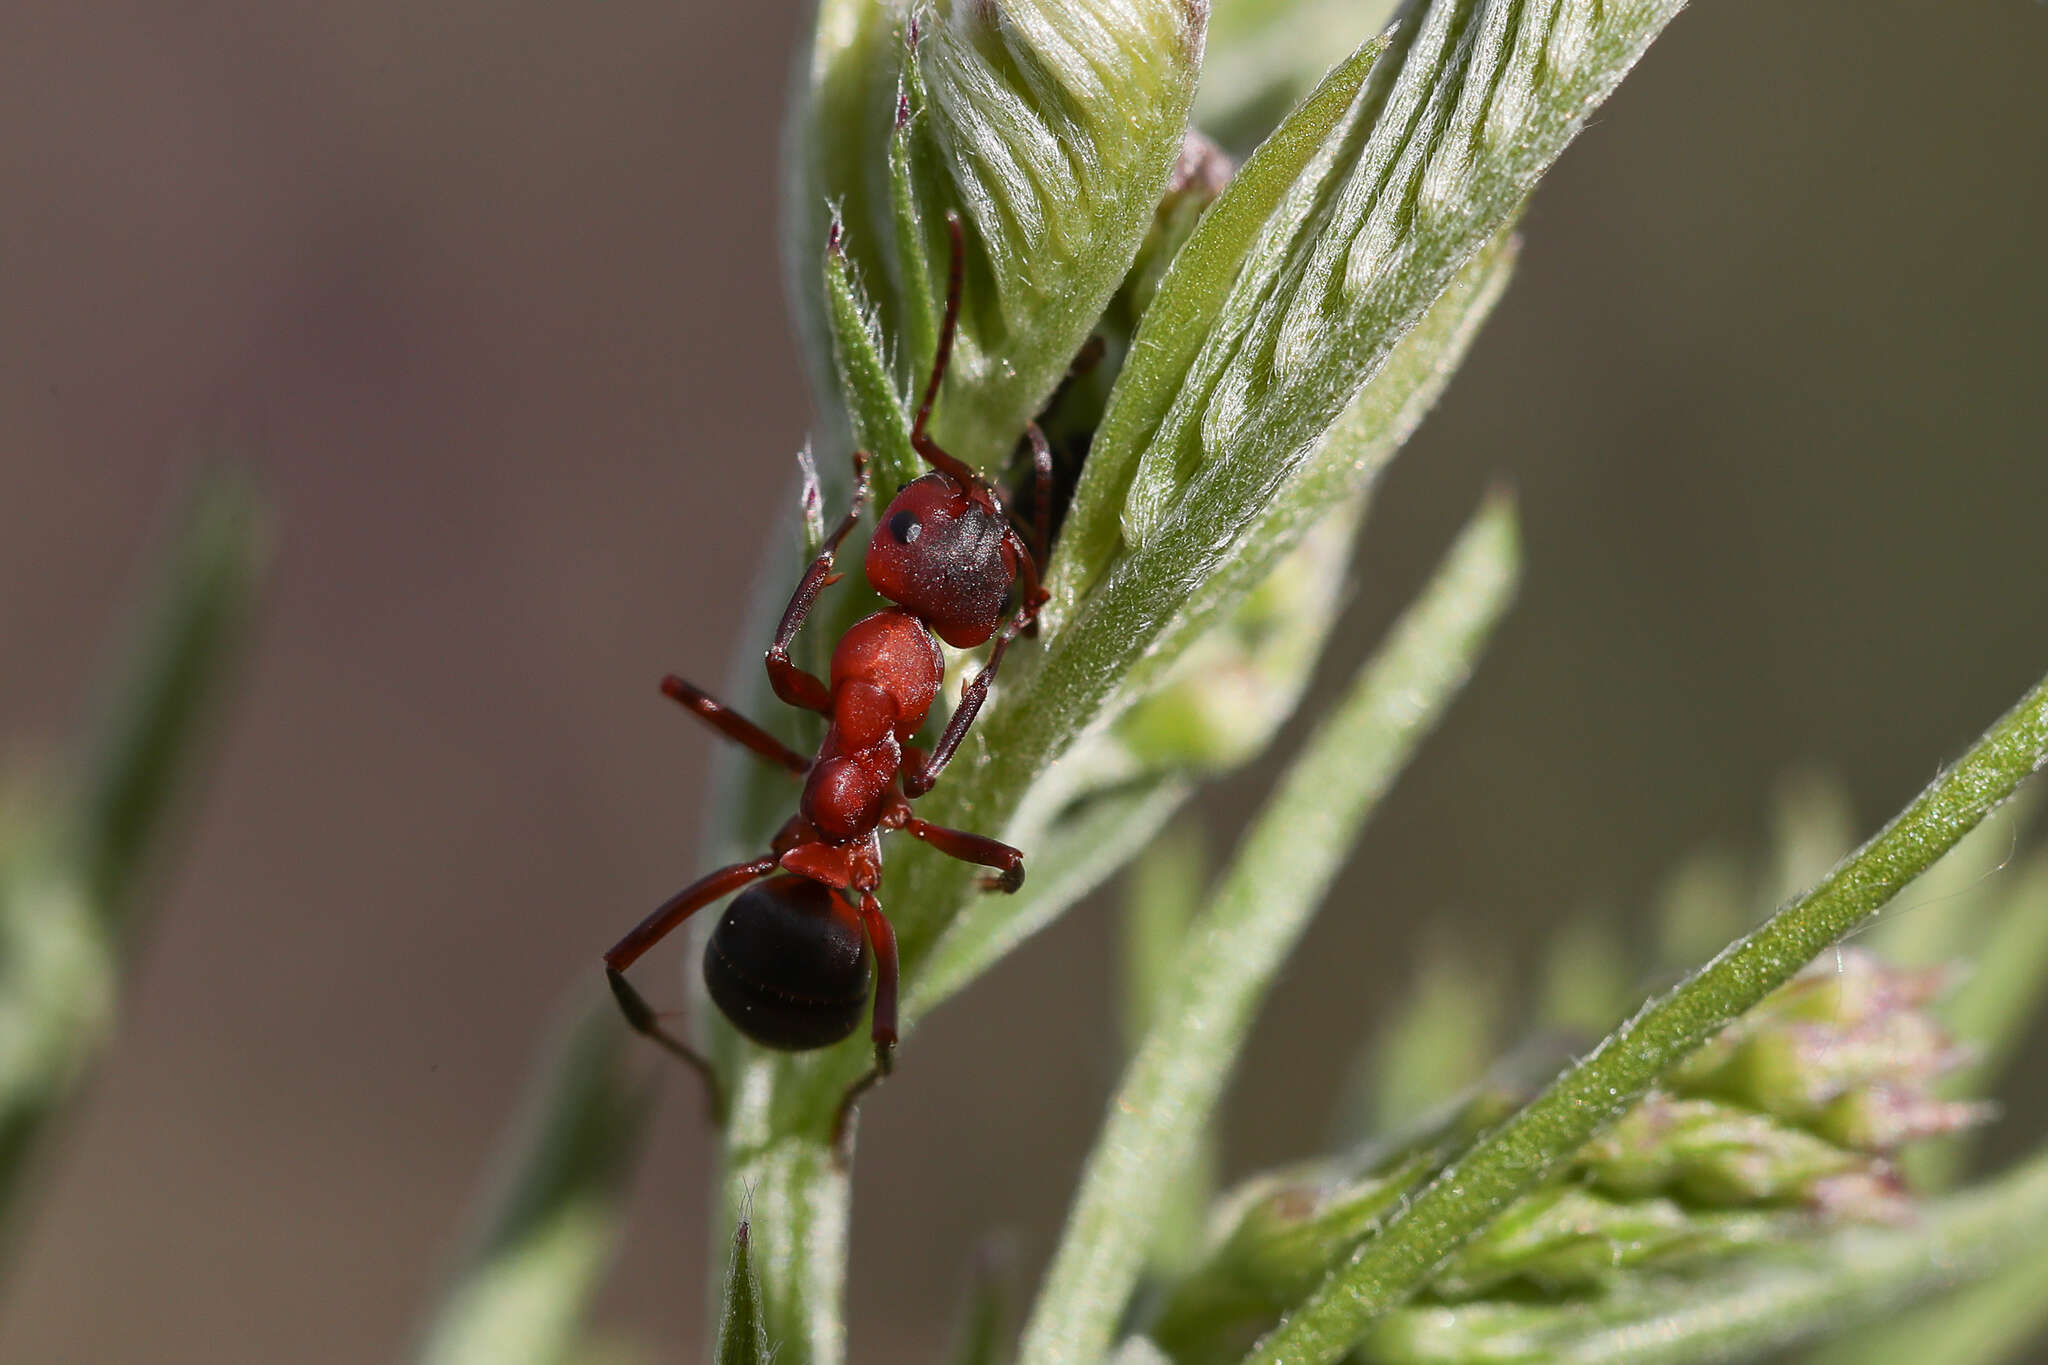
(789, 965)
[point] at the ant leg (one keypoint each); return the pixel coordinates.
(1032, 555)
(681, 906)
(1039, 548)
(883, 937)
(842, 1120)
(918, 781)
(956, 271)
(650, 931)
(921, 779)
(972, 848)
(640, 1016)
(1031, 592)
(791, 683)
(733, 725)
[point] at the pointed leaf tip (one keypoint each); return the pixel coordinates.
(742, 1335)
(873, 405)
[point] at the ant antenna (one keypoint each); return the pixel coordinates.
(956, 272)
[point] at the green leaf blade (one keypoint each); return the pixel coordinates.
(1158, 601)
(742, 1335)
(1982, 1324)
(1437, 154)
(979, 1337)
(1352, 454)
(843, 108)
(1162, 897)
(1176, 322)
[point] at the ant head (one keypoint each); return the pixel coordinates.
(788, 964)
(945, 557)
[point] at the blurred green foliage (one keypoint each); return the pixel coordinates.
(73, 863)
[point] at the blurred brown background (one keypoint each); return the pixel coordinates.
(489, 291)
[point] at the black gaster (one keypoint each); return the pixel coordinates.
(789, 965)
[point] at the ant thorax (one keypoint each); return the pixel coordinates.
(886, 670)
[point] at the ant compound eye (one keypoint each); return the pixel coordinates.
(905, 527)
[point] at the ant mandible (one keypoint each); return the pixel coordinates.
(790, 962)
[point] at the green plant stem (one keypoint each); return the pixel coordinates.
(1518, 1155)
(1254, 918)
(1163, 894)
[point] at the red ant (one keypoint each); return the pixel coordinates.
(789, 963)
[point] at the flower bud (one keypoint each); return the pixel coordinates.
(1884, 1118)
(1272, 1240)
(1848, 1049)
(1714, 1154)
(1572, 1238)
